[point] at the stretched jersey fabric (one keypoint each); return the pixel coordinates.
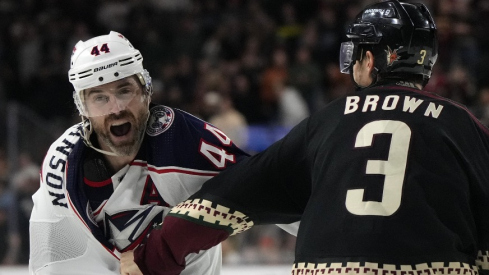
(390, 180)
(83, 217)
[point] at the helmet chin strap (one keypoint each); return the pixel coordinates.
(87, 132)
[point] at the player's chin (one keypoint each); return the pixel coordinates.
(125, 149)
(126, 144)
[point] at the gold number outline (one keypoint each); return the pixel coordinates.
(423, 55)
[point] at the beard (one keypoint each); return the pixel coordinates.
(138, 127)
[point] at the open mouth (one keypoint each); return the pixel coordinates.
(120, 130)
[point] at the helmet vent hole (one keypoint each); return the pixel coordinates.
(101, 79)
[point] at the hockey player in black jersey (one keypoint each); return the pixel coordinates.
(389, 180)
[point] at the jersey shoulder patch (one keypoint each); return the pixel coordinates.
(160, 119)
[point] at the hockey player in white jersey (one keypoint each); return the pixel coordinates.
(109, 180)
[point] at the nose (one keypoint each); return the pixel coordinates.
(118, 105)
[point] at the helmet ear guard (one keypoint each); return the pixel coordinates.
(87, 130)
(145, 80)
(401, 36)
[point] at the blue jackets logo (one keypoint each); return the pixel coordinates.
(160, 120)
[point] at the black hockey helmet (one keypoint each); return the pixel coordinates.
(401, 36)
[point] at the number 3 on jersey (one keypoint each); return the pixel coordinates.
(218, 156)
(394, 168)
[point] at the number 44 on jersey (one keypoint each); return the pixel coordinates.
(216, 155)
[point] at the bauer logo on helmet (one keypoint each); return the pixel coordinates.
(105, 67)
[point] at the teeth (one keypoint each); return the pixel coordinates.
(118, 124)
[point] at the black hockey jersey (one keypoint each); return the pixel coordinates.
(390, 180)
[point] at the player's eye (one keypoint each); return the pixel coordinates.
(125, 93)
(100, 99)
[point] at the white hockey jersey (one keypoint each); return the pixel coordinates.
(178, 154)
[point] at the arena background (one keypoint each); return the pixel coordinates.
(253, 68)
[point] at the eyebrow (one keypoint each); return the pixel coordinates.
(122, 85)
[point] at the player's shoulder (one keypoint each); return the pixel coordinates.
(402, 89)
(456, 109)
(160, 119)
(163, 118)
(189, 118)
(70, 137)
(454, 114)
(63, 146)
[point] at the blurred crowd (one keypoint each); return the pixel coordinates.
(235, 63)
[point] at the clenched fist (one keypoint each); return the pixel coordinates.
(128, 266)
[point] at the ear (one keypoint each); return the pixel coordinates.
(369, 61)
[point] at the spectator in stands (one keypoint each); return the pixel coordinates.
(24, 184)
(10, 239)
(460, 85)
(227, 118)
(276, 72)
(246, 98)
(305, 75)
(336, 83)
(481, 108)
(292, 107)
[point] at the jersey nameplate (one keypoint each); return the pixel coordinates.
(55, 174)
(407, 104)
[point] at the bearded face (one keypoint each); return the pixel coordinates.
(122, 133)
(122, 128)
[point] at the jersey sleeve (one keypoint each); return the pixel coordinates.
(218, 210)
(270, 187)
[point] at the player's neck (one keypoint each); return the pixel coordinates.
(116, 163)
